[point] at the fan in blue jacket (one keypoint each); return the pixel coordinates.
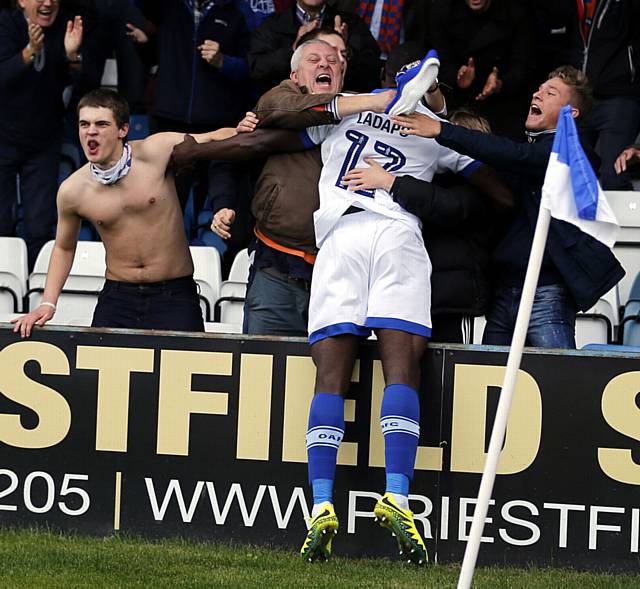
(576, 269)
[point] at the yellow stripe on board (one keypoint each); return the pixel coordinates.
(116, 509)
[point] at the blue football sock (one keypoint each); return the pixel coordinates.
(322, 490)
(326, 430)
(397, 483)
(400, 423)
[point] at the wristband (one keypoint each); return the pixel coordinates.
(32, 53)
(48, 304)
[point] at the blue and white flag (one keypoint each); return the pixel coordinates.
(571, 191)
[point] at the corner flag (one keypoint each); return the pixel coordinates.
(571, 191)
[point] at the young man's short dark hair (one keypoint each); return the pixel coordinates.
(110, 99)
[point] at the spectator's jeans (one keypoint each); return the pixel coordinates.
(170, 304)
(276, 306)
(613, 124)
(552, 323)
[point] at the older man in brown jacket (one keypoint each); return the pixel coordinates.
(286, 197)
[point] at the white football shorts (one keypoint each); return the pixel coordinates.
(371, 272)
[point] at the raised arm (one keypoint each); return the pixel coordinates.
(357, 103)
(241, 147)
(64, 250)
(158, 147)
(503, 154)
(287, 107)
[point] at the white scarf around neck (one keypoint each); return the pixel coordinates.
(119, 170)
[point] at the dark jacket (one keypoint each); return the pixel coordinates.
(557, 39)
(458, 236)
(188, 89)
(286, 193)
(612, 51)
(586, 267)
(271, 50)
(31, 107)
(500, 37)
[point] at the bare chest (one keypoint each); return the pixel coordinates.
(139, 197)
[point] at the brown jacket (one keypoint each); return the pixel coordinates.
(287, 190)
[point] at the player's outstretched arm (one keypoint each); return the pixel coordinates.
(158, 147)
(241, 147)
(60, 264)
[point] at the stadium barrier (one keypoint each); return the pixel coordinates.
(203, 436)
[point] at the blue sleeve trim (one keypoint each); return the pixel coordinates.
(306, 140)
(399, 324)
(470, 169)
(338, 329)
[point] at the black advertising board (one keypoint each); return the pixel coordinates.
(201, 436)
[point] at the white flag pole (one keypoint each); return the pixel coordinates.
(506, 395)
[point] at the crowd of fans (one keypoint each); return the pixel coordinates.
(197, 65)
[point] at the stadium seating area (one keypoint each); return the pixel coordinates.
(222, 301)
(612, 322)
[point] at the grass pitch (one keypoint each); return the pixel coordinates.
(40, 559)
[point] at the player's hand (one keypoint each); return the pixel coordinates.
(466, 74)
(375, 176)
(631, 155)
(248, 124)
(73, 37)
(24, 324)
(136, 35)
(304, 29)
(211, 53)
(36, 36)
(341, 27)
(493, 85)
(418, 124)
(222, 221)
(184, 154)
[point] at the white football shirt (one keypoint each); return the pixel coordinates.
(346, 144)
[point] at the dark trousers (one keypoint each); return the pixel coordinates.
(170, 305)
(38, 174)
(613, 124)
(449, 328)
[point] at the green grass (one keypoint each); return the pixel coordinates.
(34, 559)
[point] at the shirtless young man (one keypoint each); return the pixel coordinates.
(129, 195)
